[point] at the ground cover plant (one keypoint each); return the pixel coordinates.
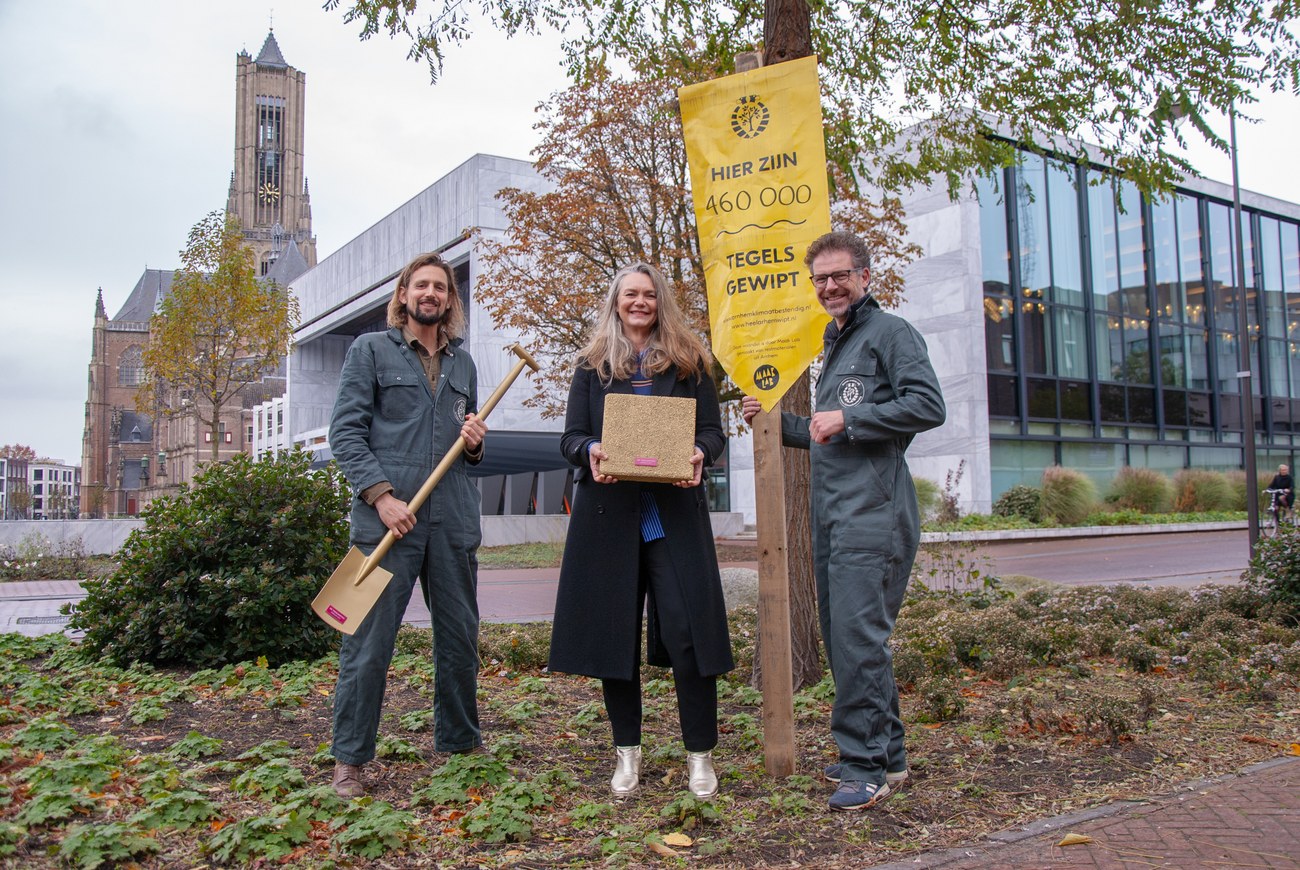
(1018, 707)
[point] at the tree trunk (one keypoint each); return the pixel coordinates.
(787, 36)
(805, 630)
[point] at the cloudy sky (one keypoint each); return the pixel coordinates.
(117, 135)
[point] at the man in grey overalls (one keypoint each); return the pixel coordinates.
(404, 397)
(877, 390)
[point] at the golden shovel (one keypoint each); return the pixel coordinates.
(344, 601)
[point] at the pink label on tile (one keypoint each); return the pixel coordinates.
(641, 461)
(334, 612)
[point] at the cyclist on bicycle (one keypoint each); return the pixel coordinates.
(1283, 481)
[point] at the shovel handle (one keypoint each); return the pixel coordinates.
(377, 555)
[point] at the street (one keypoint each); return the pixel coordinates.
(1183, 560)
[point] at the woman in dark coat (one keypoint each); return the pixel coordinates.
(630, 543)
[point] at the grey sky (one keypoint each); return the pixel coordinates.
(117, 135)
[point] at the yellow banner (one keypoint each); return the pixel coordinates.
(758, 178)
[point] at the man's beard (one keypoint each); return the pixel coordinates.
(426, 319)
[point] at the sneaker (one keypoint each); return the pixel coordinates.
(858, 795)
(893, 777)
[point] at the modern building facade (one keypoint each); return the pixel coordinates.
(1077, 322)
(347, 294)
(1071, 321)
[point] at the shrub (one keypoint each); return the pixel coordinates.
(1020, 501)
(927, 496)
(1199, 490)
(1237, 483)
(225, 570)
(1068, 495)
(1274, 572)
(1141, 489)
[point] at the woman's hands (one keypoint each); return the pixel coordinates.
(697, 460)
(595, 453)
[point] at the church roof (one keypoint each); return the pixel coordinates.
(270, 54)
(152, 288)
(136, 427)
(288, 266)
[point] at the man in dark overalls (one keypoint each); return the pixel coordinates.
(877, 390)
(404, 397)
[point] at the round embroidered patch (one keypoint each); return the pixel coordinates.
(852, 391)
(462, 404)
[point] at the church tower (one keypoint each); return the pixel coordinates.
(268, 188)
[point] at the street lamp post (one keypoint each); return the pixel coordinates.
(1243, 327)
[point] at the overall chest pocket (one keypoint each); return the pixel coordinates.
(401, 395)
(853, 382)
(454, 401)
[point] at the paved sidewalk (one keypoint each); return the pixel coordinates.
(1247, 819)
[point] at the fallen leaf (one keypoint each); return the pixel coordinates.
(1264, 741)
(933, 726)
(1295, 748)
(1074, 840)
(219, 824)
(678, 840)
(660, 849)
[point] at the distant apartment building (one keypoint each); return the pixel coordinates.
(55, 489)
(15, 495)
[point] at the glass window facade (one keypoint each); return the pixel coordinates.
(1112, 324)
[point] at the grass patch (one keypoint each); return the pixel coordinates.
(537, 555)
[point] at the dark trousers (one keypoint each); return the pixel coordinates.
(697, 696)
(448, 568)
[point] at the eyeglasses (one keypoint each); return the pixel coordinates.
(841, 277)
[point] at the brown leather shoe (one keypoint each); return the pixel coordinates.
(347, 780)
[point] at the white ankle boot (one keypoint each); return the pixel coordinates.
(699, 772)
(627, 771)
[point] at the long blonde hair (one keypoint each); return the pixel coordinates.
(672, 341)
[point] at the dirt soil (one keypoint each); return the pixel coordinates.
(1002, 761)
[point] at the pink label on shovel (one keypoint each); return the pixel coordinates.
(334, 612)
(643, 461)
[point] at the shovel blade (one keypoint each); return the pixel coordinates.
(342, 602)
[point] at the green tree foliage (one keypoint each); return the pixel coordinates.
(1028, 70)
(225, 571)
(217, 333)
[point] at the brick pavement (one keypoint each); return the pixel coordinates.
(1247, 819)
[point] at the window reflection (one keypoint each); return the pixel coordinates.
(1116, 316)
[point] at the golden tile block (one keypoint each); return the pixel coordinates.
(648, 438)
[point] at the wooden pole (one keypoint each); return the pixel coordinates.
(786, 37)
(773, 596)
